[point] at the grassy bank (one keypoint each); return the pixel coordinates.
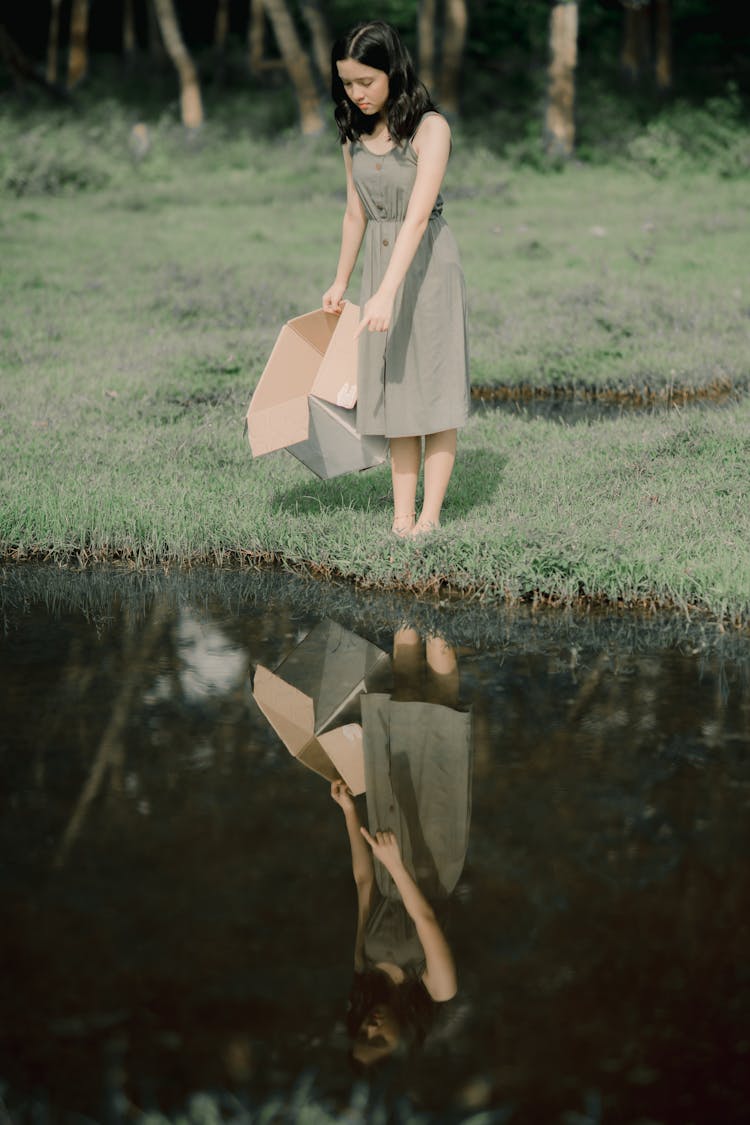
(137, 317)
(647, 511)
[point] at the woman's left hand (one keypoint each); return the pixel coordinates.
(377, 314)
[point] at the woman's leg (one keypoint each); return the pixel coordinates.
(406, 454)
(407, 665)
(439, 458)
(442, 673)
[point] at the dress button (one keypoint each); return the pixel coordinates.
(378, 167)
(385, 241)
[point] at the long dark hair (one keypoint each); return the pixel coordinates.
(378, 45)
(410, 1002)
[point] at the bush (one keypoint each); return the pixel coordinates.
(53, 152)
(712, 137)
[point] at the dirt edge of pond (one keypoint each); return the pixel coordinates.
(718, 391)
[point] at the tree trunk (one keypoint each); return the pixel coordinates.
(426, 42)
(128, 32)
(221, 25)
(53, 41)
(663, 39)
(456, 20)
(155, 41)
(23, 70)
(256, 34)
(78, 50)
(297, 65)
(256, 41)
(221, 31)
(563, 44)
(312, 13)
(636, 42)
(191, 104)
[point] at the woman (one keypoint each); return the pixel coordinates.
(413, 379)
(417, 746)
(391, 1009)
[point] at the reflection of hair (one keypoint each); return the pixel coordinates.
(378, 45)
(410, 1002)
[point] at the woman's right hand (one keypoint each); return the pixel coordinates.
(333, 298)
(342, 795)
(385, 848)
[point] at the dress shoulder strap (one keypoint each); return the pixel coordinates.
(430, 113)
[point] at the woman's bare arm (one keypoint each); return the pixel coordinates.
(362, 869)
(352, 233)
(439, 977)
(432, 144)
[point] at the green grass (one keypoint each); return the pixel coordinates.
(136, 318)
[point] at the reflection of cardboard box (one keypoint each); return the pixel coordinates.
(306, 396)
(312, 700)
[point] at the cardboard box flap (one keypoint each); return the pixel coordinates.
(271, 429)
(316, 759)
(289, 711)
(317, 328)
(336, 379)
(278, 414)
(345, 749)
(290, 371)
(331, 666)
(333, 445)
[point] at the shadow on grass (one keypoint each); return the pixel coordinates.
(475, 479)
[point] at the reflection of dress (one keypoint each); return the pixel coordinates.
(418, 780)
(414, 379)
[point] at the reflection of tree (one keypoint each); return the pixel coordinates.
(110, 755)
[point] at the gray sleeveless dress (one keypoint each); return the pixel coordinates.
(414, 379)
(418, 781)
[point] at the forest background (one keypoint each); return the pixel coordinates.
(171, 192)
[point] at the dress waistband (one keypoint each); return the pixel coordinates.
(379, 219)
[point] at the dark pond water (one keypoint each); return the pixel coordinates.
(178, 913)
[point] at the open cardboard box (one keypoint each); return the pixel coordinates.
(312, 700)
(305, 399)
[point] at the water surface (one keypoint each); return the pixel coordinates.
(178, 908)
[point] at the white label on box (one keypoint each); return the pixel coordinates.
(347, 396)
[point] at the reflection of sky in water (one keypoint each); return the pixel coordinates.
(210, 664)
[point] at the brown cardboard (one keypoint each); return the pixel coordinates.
(305, 399)
(312, 700)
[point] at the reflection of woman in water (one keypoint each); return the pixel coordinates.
(417, 771)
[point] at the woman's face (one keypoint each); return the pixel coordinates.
(379, 1035)
(364, 85)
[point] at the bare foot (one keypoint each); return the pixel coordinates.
(403, 526)
(424, 527)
